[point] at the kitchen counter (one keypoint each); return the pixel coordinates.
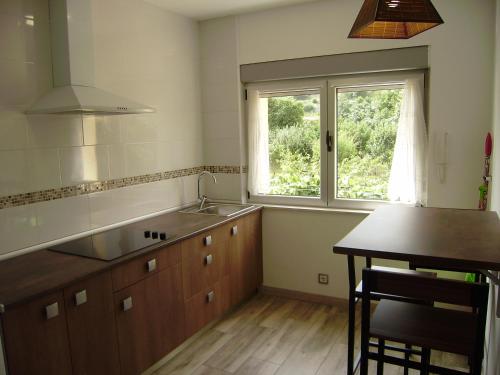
(31, 275)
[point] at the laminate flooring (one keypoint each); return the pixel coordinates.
(277, 336)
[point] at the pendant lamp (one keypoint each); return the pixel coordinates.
(394, 19)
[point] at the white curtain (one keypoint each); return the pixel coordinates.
(258, 143)
(407, 183)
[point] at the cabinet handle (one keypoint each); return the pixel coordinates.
(207, 240)
(127, 304)
(81, 297)
(151, 265)
(234, 230)
(209, 259)
(210, 296)
(52, 310)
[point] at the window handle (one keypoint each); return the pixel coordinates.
(329, 141)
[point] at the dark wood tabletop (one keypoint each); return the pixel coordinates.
(455, 238)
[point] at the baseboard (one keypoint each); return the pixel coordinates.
(303, 296)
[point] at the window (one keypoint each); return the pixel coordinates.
(366, 128)
(294, 143)
(336, 142)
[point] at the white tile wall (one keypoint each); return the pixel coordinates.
(55, 130)
(221, 95)
(84, 164)
(62, 217)
(49, 151)
(45, 168)
(14, 176)
(98, 130)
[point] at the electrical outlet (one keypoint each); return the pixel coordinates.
(322, 278)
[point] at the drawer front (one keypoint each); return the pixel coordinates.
(137, 269)
(207, 305)
(205, 260)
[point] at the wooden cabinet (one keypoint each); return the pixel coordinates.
(124, 320)
(205, 261)
(207, 305)
(145, 265)
(149, 319)
(91, 326)
(36, 337)
(245, 258)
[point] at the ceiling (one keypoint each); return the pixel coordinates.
(205, 9)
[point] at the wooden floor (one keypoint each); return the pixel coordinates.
(276, 336)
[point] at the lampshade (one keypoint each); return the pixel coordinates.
(394, 19)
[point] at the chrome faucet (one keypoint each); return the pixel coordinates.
(203, 198)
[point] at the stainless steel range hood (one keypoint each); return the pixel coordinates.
(73, 67)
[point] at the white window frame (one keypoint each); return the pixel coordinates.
(294, 87)
(328, 123)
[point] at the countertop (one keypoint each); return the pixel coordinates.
(28, 276)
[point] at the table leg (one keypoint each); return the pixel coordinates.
(352, 314)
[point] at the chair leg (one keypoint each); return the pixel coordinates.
(350, 338)
(407, 358)
(476, 365)
(425, 361)
(352, 315)
(380, 360)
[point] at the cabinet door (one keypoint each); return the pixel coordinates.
(36, 338)
(204, 261)
(245, 254)
(207, 305)
(91, 326)
(149, 318)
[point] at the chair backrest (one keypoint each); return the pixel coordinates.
(423, 288)
(432, 265)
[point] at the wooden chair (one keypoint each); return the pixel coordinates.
(355, 295)
(427, 327)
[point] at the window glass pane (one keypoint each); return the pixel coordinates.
(294, 144)
(367, 120)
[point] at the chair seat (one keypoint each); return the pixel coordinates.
(359, 288)
(425, 326)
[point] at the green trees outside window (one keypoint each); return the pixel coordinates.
(366, 133)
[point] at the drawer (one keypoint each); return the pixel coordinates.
(137, 269)
(207, 305)
(205, 260)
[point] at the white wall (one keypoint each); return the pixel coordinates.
(141, 52)
(493, 329)
(460, 79)
(221, 104)
(296, 243)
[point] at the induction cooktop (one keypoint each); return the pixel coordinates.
(114, 243)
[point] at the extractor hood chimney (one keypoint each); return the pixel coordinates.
(73, 67)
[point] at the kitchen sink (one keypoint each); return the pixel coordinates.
(219, 209)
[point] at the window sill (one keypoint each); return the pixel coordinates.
(313, 208)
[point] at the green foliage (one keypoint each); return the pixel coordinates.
(366, 134)
(285, 112)
(369, 120)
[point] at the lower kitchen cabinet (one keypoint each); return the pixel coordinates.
(207, 305)
(245, 258)
(91, 327)
(149, 319)
(204, 261)
(36, 337)
(125, 319)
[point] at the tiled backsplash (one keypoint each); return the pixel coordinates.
(98, 186)
(141, 52)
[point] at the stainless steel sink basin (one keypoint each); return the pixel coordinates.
(219, 209)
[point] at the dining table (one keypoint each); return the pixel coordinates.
(444, 238)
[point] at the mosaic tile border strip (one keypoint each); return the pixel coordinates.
(93, 187)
